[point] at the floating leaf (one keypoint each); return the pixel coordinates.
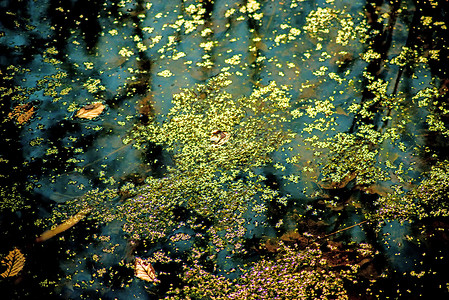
(219, 137)
(22, 113)
(63, 226)
(90, 111)
(13, 262)
(144, 270)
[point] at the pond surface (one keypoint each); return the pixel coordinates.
(224, 149)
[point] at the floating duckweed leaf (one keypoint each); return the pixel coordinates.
(90, 111)
(63, 226)
(144, 270)
(14, 263)
(22, 113)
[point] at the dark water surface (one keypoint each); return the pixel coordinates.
(311, 141)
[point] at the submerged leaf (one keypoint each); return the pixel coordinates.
(90, 111)
(14, 263)
(144, 270)
(63, 226)
(22, 113)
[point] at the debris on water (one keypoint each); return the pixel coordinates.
(90, 111)
(22, 113)
(219, 137)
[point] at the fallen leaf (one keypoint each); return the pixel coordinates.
(13, 262)
(63, 226)
(329, 185)
(378, 189)
(341, 111)
(90, 111)
(272, 245)
(219, 137)
(144, 270)
(22, 113)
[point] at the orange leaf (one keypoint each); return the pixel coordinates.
(144, 270)
(14, 263)
(70, 222)
(90, 111)
(22, 113)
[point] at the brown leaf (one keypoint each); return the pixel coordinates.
(90, 111)
(70, 222)
(219, 137)
(378, 189)
(295, 237)
(341, 111)
(144, 270)
(329, 185)
(13, 262)
(272, 245)
(22, 113)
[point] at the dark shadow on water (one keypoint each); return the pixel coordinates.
(82, 15)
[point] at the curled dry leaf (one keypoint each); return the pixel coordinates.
(63, 226)
(22, 113)
(219, 137)
(90, 111)
(13, 262)
(144, 270)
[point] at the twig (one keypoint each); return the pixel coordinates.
(344, 229)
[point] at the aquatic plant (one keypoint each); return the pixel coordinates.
(255, 125)
(423, 201)
(316, 271)
(209, 181)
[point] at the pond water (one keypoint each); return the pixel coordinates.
(224, 149)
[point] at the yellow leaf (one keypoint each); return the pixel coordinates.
(70, 222)
(13, 262)
(144, 270)
(90, 111)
